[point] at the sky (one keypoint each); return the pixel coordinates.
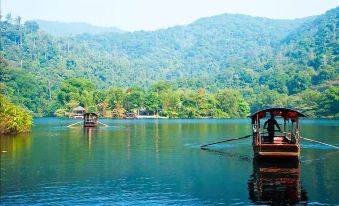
(132, 15)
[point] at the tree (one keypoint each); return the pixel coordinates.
(232, 103)
(31, 26)
(326, 73)
(18, 20)
(308, 102)
(77, 90)
(9, 18)
(161, 86)
(300, 82)
(118, 111)
(170, 101)
(152, 102)
(330, 102)
(115, 96)
(189, 105)
(134, 99)
(268, 98)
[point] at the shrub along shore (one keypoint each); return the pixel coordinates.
(13, 118)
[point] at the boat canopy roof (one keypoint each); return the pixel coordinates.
(286, 113)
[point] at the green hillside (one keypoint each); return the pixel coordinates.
(269, 62)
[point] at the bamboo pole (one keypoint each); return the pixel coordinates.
(103, 124)
(74, 124)
(311, 140)
(228, 140)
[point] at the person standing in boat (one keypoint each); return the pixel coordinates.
(270, 123)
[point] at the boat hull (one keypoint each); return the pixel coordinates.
(90, 125)
(277, 150)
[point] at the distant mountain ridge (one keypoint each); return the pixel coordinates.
(74, 28)
(228, 50)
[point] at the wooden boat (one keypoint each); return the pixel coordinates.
(90, 119)
(286, 143)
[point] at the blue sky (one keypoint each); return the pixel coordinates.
(134, 15)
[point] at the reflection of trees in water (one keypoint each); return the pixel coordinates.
(276, 182)
(15, 144)
(157, 137)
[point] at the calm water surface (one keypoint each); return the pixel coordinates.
(159, 162)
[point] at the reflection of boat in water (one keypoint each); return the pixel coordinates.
(276, 183)
(89, 133)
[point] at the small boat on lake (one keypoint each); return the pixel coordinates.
(90, 119)
(285, 144)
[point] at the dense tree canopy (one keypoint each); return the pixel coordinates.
(222, 66)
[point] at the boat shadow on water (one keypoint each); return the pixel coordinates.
(276, 182)
(228, 154)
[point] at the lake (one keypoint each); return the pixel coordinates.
(159, 162)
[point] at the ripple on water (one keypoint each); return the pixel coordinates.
(116, 192)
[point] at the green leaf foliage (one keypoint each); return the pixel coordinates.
(13, 119)
(223, 66)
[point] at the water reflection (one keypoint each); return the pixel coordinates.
(15, 144)
(128, 143)
(276, 183)
(157, 137)
(89, 132)
(144, 162)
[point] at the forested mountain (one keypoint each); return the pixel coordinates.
(315, 45)
(201, 51)
(67, 29)
(269, 62)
